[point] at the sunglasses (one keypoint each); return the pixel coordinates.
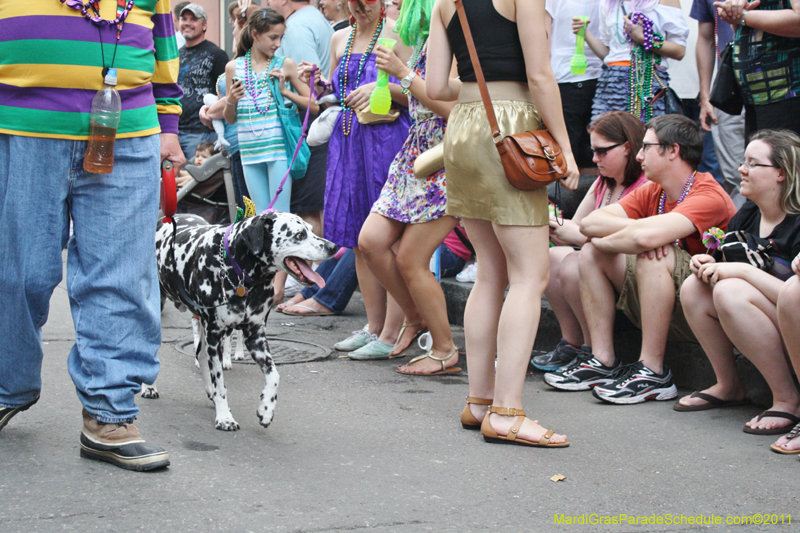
(601, 152)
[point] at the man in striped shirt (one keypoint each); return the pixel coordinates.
(52, 61)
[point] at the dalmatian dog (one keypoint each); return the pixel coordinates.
(200, 268)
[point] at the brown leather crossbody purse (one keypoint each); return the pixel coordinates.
(531, 159)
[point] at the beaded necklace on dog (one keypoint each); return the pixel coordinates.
(687, 186)
(347, 112)
(255, 86)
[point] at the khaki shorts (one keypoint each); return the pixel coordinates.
(629, 304)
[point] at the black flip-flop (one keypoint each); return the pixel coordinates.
(774, 431)
(713, 403)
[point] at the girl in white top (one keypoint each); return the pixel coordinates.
(634, 69)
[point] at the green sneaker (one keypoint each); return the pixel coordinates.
(355, 341)
(373, 351)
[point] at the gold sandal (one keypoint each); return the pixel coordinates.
(490, 435)
(468, 420)
(414, 338)
(429, 355)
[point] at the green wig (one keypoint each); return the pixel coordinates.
(414, 21)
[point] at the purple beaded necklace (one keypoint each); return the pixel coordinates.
(123, 9)
(686, 188)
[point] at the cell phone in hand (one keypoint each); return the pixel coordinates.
(235, 80)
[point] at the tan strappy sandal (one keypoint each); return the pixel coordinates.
(490, 435)
(429, 355)
(468, 420)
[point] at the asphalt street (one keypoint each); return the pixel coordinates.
(356, 446)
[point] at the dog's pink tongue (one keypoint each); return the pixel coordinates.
(310, 274)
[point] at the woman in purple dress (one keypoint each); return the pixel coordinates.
(359, 155)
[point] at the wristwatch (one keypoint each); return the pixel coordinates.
(405, 83)
(742, 22)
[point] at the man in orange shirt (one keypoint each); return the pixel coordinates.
(636, 261)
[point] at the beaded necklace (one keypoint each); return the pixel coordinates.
(416, 54)
(610, 191)
(255, 86)
(123, 9)
(687, 186)
(620, 40)
(640, 73)
(347, 117)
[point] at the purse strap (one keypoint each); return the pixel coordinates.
(476, 65)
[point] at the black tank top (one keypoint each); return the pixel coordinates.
(496, 41)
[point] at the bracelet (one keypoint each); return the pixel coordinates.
(227, 102)
(743, 22)
(658, 41)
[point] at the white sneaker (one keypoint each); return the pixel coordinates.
(355, 341)
(469, 274)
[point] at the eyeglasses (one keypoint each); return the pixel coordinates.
(601, 152)
(365, 1)
(748, 165)
(645, 146)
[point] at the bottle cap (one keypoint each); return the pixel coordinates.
(111, 77)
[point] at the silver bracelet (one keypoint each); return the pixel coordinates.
(227, 102)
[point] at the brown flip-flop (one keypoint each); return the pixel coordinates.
(312, 312)
(773, 431)
(712, 403)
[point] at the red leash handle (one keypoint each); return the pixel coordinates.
(169, 190)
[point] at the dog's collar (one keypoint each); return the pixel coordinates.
(240, 274)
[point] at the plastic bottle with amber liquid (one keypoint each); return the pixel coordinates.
(106, 107)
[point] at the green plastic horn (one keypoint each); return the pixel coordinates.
(380, 101)
(578, 64)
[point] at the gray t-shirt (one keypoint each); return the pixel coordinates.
(308, 38)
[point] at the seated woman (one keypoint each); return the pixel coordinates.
(616, 138)
(731, 304)
(788, 318)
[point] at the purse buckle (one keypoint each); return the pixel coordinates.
(549, 154)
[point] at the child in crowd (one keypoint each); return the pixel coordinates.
(203, 151)
(634, 37)
(730, 302)
(253, 105)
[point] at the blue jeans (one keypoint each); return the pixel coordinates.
(189, 141)
(340, 282)
(449, 263)
(112, 280)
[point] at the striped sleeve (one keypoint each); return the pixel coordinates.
(166, 91)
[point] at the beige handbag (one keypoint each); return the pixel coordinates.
(368, 117)
(429, 162)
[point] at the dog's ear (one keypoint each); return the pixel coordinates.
(253, 234)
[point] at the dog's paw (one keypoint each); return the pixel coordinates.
(150, 391)
(226, 364)
(238, 356)
(265, 415)
(226, 425)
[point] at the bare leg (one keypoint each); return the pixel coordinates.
(751, 321)
(373, 293)
(789, 318)
(417, 245)
(657, 300)
(570, 279)
(601, 275)
(698, 306)
(570, 327)
(376, 241)
(527, 273)
(482, 313)
(278, 285)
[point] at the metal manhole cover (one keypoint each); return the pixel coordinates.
(283, 351)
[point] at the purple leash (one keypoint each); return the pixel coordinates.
(241, 275)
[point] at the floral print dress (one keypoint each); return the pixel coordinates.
(404, 197)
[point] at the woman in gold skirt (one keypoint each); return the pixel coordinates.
(508, 227)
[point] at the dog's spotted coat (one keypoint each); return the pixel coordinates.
(261, 245)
